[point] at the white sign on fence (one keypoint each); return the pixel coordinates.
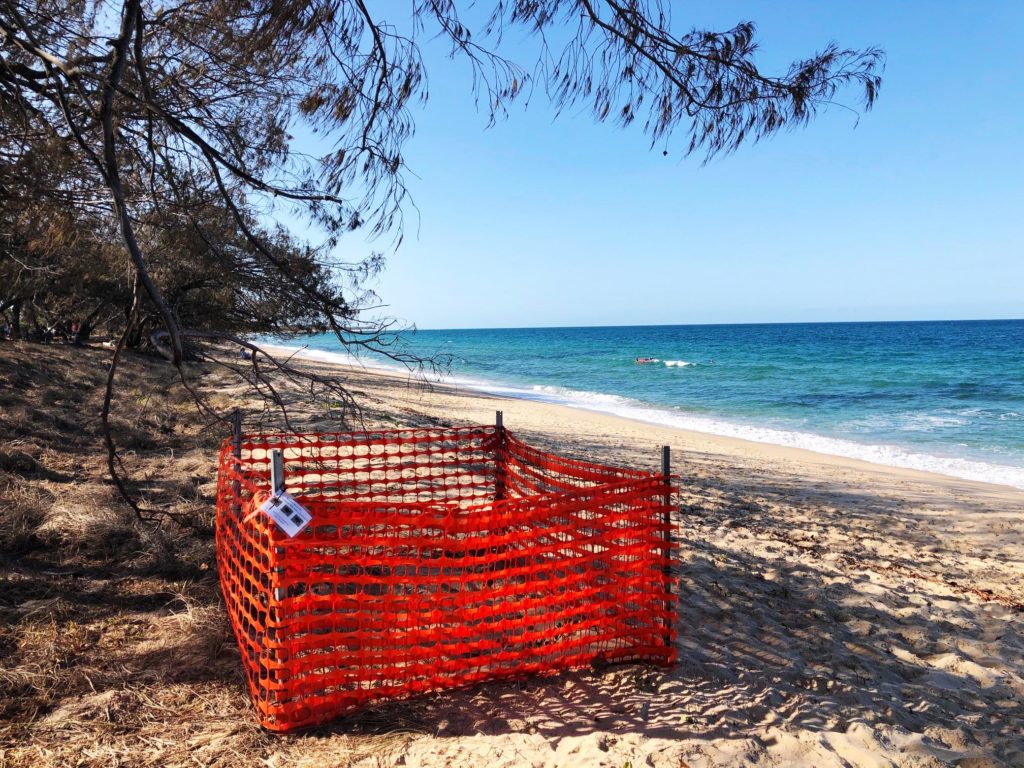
(290, 516)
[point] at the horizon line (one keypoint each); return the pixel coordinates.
(704, 325)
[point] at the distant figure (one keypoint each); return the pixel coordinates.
(244, 353)
(642, 360)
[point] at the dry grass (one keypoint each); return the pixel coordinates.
(114, 649)
(91, 520)
(114, 646)
(24, 510)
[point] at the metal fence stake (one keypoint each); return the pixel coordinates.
(236, 451)
(276, 471)
(666, 471)
(499, 457)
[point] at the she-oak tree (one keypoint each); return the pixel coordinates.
(146, 144)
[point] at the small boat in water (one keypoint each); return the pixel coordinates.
(642, 360)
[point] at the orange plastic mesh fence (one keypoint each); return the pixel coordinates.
(435, 558)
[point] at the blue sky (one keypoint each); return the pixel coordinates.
(914, 213)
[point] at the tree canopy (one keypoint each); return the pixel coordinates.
(148, 146)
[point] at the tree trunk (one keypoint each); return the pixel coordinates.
(85, 327)
(139, 334)
(82, 334)
(16, 320)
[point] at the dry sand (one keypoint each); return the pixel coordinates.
(831, 612)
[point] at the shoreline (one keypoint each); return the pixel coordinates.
(689, 439)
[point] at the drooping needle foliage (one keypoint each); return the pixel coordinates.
(149, 147)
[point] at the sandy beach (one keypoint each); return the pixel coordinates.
(831, 612)
(243, 244)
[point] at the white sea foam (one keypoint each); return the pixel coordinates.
(889, 455)
(930, 422)
(563, 396)
(677, 363)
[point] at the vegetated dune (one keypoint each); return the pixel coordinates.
(830, 612)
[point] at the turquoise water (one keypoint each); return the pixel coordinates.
(941, 396)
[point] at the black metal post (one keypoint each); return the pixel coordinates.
(277, 488)
(276, 472)
(499, 457)
(236, 451)
(666, 471)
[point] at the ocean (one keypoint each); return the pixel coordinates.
(946, 397)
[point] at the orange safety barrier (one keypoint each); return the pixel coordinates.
(436, 558)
